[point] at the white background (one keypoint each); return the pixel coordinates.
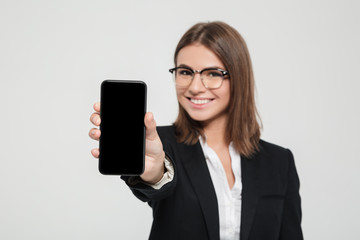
(55, 54)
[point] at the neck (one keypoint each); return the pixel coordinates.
(215, 131)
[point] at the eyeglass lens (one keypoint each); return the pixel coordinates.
(211, 78)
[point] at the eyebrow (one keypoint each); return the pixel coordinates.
(211, 67)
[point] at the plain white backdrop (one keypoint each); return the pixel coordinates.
(55, 54)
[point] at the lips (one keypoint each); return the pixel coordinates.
(200, 101)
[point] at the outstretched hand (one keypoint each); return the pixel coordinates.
(154, 153)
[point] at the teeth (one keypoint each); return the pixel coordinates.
(200, 101)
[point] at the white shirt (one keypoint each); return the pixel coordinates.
(229, 200)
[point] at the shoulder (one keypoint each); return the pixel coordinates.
(166, 132)
(168, 139)
(272, 154)
(268, 148)
(165, 129)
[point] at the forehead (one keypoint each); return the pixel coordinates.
(198, 57)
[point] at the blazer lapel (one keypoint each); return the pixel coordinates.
(249, 177)
(199, 175)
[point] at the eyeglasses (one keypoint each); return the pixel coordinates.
(212, 78)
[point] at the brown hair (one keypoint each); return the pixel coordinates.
(243, 128)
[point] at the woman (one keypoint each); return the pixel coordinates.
(209, 176)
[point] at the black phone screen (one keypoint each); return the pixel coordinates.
(122, 139)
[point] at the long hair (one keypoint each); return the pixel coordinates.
(243, 128)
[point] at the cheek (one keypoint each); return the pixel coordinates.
(224, 94)
(228, 96)
(179, 93)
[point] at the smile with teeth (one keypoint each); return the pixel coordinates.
(200, 101)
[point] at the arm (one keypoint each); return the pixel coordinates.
(291, 221)
(152, 192)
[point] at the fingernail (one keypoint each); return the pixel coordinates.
(98, 121)
(93, 132)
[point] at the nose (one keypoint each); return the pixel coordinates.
(196, 86)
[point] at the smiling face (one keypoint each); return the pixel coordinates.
(202, 104)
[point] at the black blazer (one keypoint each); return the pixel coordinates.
(186, 208)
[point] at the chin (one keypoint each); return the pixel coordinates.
(200, 117)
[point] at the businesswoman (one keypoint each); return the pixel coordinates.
(209, 175)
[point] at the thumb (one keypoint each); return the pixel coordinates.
(150, 126)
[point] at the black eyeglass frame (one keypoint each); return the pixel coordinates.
(223, 72)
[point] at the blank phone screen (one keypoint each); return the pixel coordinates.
(122, 140)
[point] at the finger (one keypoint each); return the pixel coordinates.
(95, 119)
(95, 133)
(150, 125)
(97, 107)
(95, 152)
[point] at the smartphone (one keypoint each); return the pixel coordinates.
(122, 139)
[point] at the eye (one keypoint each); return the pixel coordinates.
(184, 72)
(213, 73)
